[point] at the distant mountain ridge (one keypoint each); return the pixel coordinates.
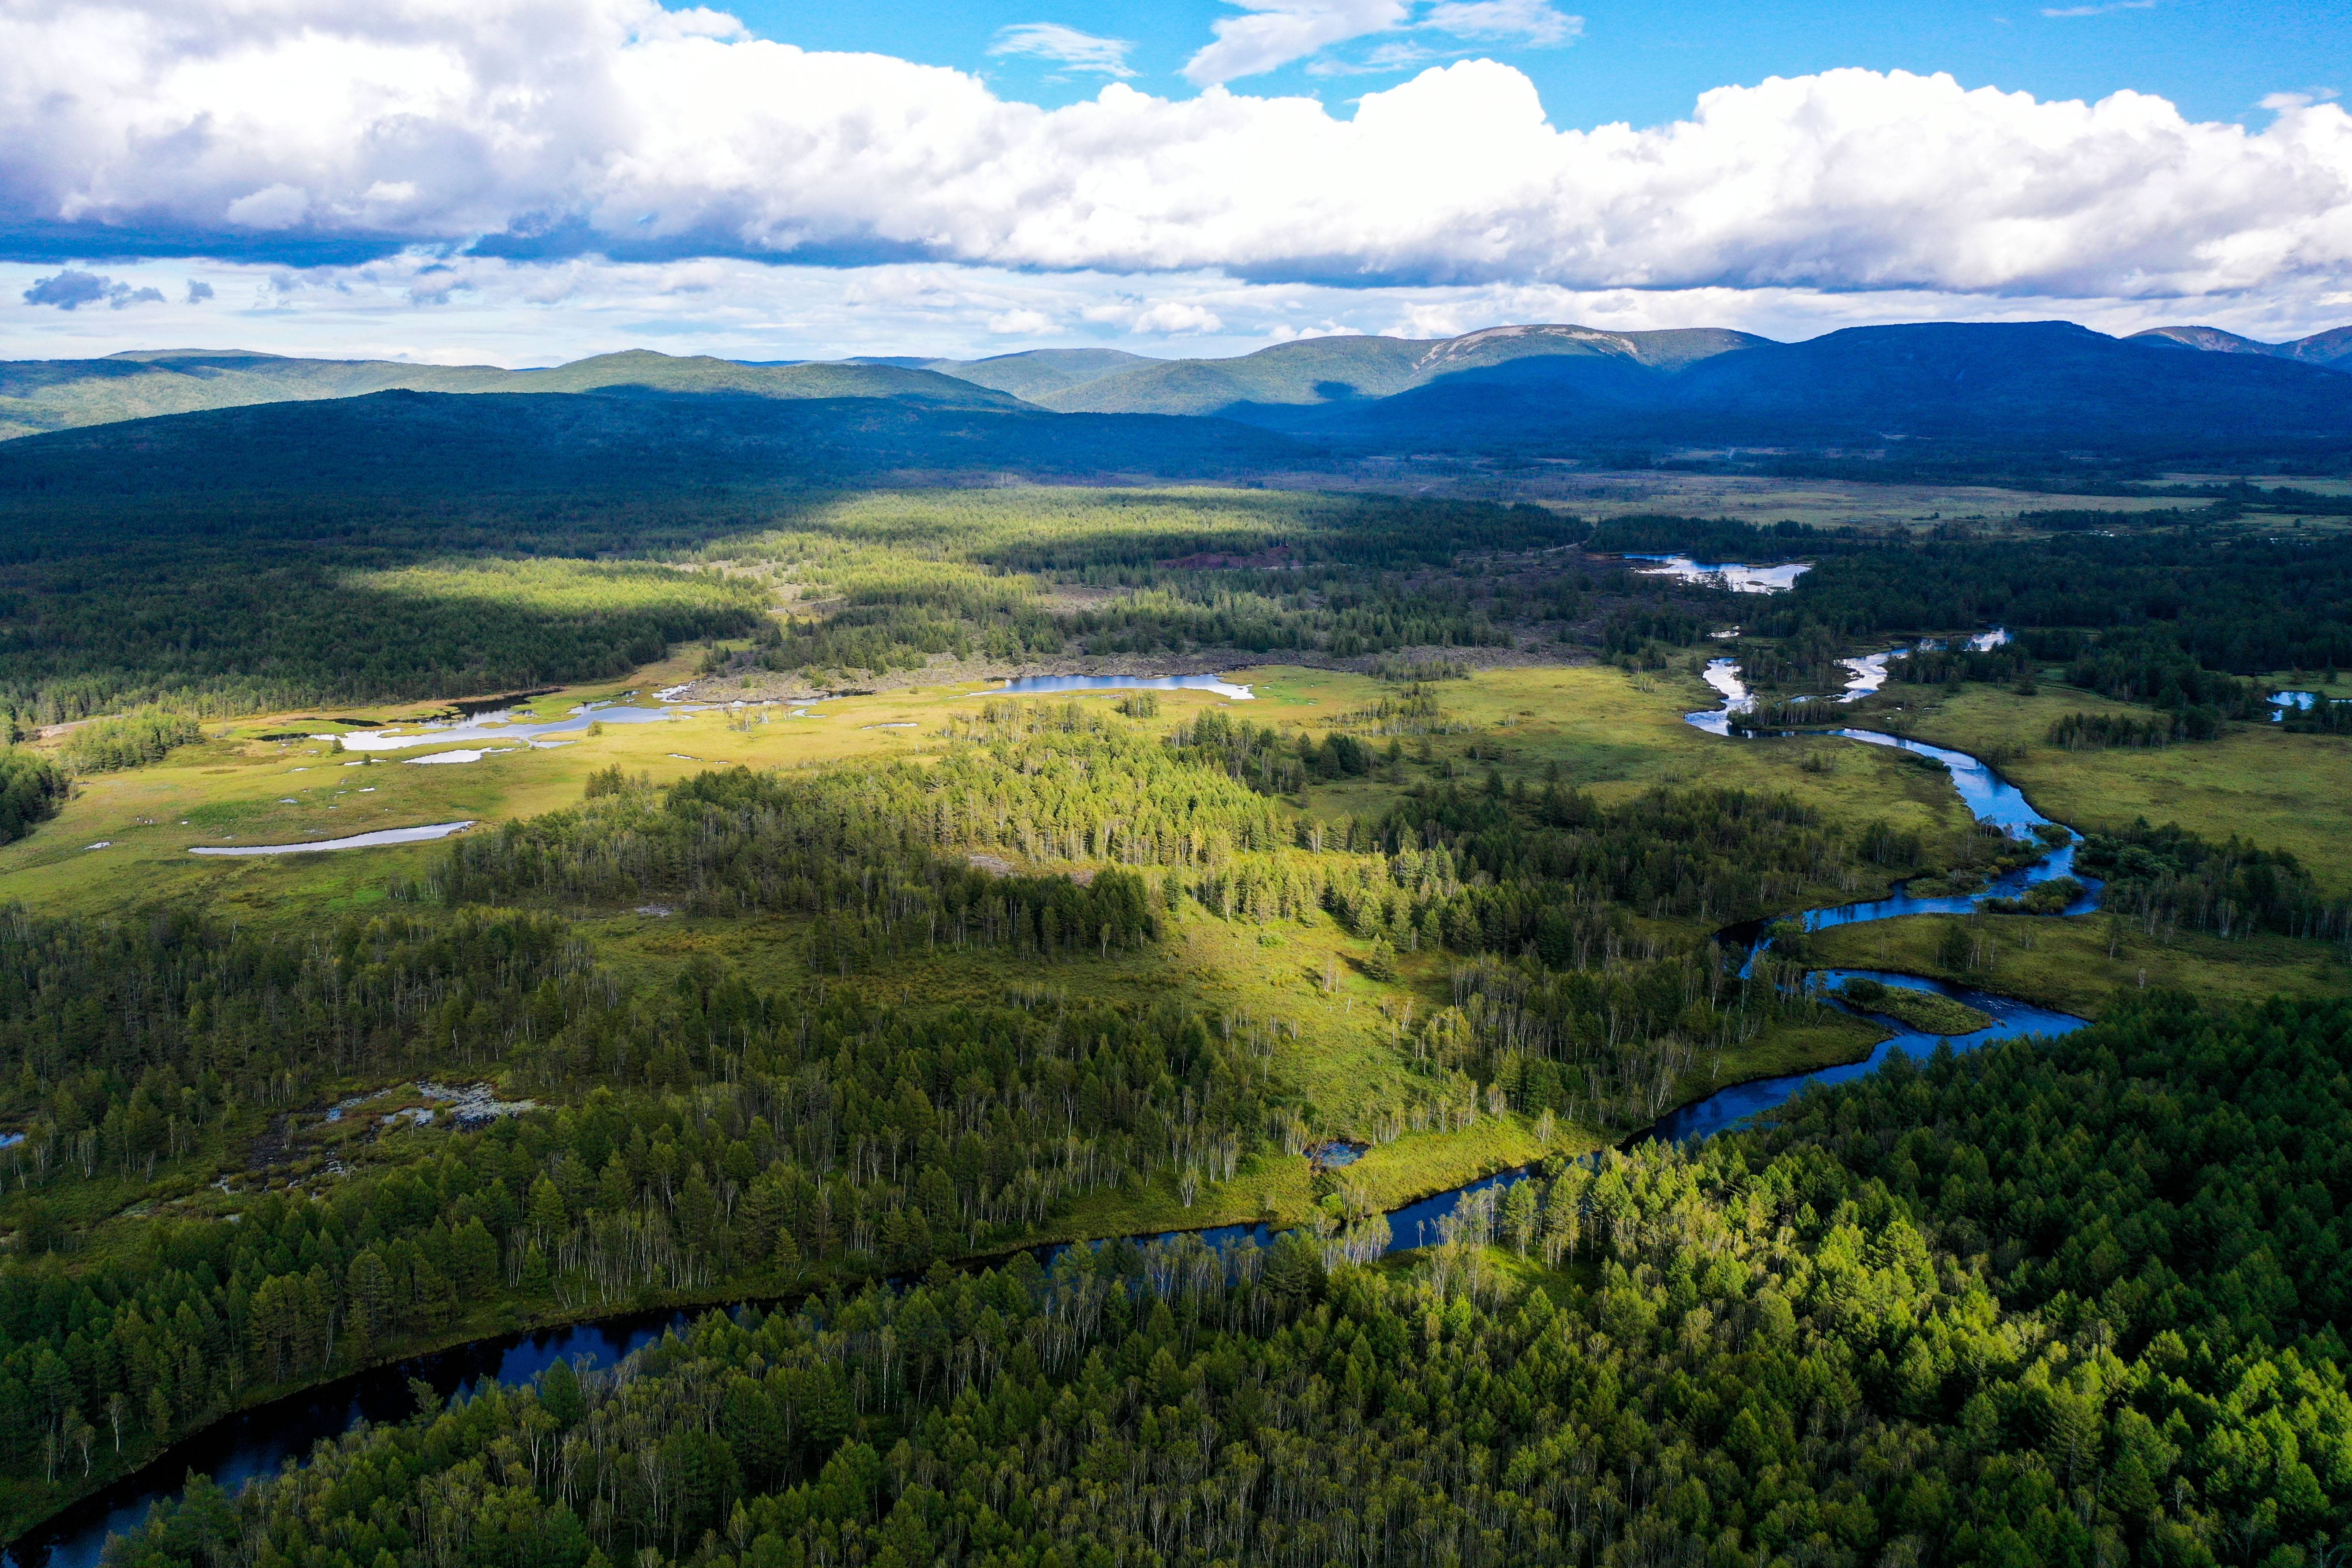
(2332, 347)
(60, 394)
(2048, 385)
(1518, 392)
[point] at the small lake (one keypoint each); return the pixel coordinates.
(356, 841)
(501, 726)
(2297, 701)
(1030, 684)
(1737, 577)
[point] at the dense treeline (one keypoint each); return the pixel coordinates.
(32, 788)
(1709, 540)
(2149, 666)
(894, 856)
(129, 740)
(2169, 880)
(2105, 732)
(80, 638)
(2239, 603)
(2058, 1304)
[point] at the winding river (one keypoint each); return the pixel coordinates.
(258, 1442)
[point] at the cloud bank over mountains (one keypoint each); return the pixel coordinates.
(332, 132)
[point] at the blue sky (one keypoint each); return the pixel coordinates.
(527, 181)
(1648, 63)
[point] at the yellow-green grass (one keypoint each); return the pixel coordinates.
(1760, 500)
(2083, 965)
(1615, 733)
(1616, 736)
(2280, 790)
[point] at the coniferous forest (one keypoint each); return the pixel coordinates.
(1020, 1095)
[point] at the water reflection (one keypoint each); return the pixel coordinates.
(1029, 685)
(261, 1441)
(356, 841)
(1732, 1107)
(501, 726)
(1737, 577)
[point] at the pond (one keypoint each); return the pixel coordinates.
(2295, 701)
(356, 841)
(501, 725)
(1737, 577)
(1031, 685)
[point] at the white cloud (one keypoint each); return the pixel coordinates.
(1019, 323)
(1065, 46)
(1175, 316)
(1272, 33)
(2098, 10)
(304, 130)
(276, 206)
(1523, 21)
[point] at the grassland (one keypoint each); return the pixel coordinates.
(2281, 791)
(1594, 726)
(1760, 500)
(2081, 965)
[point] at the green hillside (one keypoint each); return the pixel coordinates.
(1319, 371)
(1315, 371)
(62, 394)
(1041, 372)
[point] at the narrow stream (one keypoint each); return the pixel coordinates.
(259, 1442)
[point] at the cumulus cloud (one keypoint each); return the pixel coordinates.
(303, 131)
(1065, 46)
(70, 290)
(198, 292)
(1272, 33)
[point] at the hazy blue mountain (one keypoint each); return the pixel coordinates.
(1562, 389)
(56, 395)
(2333, 347)
(2043, 385)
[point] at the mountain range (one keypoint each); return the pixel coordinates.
(2172, 393)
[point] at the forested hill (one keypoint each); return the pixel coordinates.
(412, 442)
(1981, 393)
(2037, 386)
(36, 396)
